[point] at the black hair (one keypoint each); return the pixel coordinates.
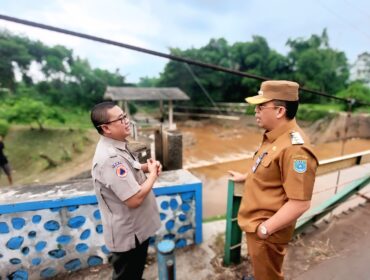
(99, 114)
(290, 106)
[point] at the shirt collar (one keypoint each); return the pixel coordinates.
(272, 135)
(122, 145)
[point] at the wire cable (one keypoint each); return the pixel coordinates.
(168, 56)
(202, 87)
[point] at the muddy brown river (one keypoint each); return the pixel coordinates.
(212, 149)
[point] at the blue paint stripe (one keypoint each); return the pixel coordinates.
(91, 199)
(198, 215)
(176, 189)
(46, 204)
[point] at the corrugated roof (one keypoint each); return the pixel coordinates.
(135, 93)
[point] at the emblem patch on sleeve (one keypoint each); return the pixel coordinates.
(121, 171)
(300, 165)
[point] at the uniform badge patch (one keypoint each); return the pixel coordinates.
(121, 171)
(114, 165)
(300, 165)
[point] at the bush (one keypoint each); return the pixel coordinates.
(356, 90)
(314, 112)
(132, 107)
(250, 110)
(4, 128)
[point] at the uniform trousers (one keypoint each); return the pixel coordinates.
(129, 265)
(267, 257)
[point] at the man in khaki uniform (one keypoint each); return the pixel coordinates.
(126, 201)
(279, 184)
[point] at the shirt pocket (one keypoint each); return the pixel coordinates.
(266, 161)
(269, 171)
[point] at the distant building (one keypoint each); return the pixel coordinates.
(360, 70)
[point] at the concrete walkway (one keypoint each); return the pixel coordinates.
(353, 265)
(350, 241)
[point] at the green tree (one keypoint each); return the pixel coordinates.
(4, 128)
(87, 85)
(69, 80)
(31, 111)
(148, 82)
(254, 57)
(11, 53)
(317, 66)
(358, 91)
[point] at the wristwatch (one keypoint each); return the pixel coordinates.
(263, 229)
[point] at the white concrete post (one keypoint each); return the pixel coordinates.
(170, 114)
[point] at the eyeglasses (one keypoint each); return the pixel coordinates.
(260, 108)
(124, 117)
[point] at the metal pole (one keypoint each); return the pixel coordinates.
(349, 114)
(166, 260)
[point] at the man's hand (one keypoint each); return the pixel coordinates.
(259, 232)
(159, 167)
(236, 176)
(145, 168)
(152, 167)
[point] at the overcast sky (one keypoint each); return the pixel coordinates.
(160, 24)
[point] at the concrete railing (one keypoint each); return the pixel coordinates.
(47, 230)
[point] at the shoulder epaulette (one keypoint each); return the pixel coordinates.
(296, 138)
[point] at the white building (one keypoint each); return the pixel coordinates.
(360, 70)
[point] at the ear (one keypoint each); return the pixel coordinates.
(106, 129)
(280, 112)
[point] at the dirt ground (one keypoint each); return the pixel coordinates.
(335, 250)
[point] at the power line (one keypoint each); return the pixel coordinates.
(168, 56)
(344, 19)
(202, 88)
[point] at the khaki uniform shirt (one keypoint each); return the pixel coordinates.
(283, 168)
(117, 176)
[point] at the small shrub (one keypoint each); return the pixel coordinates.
(312, 112)
(4, 128)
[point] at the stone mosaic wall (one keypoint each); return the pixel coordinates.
(177, 213)
(42, 243)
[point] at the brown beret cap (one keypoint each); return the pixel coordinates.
(270, 90)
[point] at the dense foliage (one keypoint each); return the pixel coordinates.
(311, 62)
(67, 81)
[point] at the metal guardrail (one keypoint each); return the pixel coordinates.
(322, 210)
(329, 165)
(235, 192)
(337, 163)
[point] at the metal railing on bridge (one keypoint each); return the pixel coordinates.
(233, 238)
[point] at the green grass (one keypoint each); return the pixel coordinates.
(214, 218)
(74, 118)
(23, 147)
(363, 110)
(330, 107)
(314, 112)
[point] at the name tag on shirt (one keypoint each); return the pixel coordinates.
(258, 162)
